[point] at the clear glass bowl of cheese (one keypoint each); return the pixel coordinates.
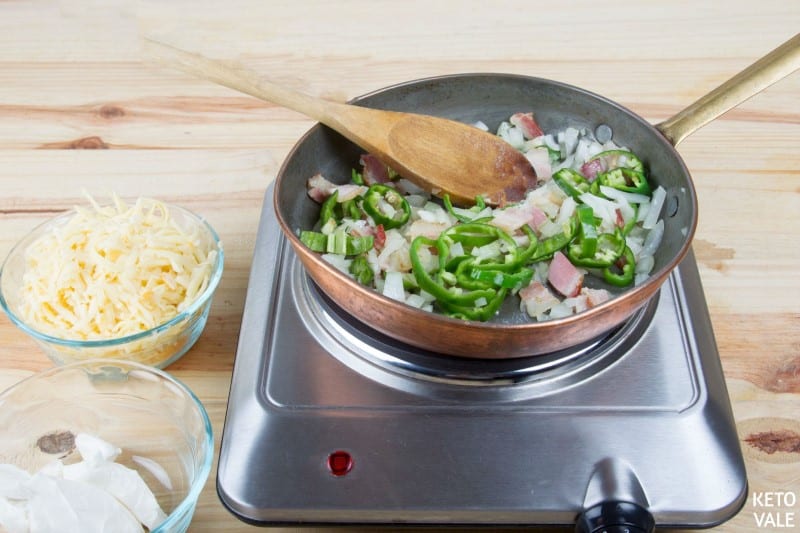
(130, 281)
(102, 445)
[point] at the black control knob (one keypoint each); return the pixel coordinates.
(615, 517)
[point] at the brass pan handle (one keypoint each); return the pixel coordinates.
(771, 68)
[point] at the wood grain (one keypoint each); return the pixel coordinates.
(80, 110)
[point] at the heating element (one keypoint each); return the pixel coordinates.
(331, 422)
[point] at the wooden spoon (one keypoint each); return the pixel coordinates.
(441, 156)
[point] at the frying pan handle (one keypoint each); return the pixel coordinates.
(772, 67)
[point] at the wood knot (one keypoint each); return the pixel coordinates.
(88, 143)
(770, 442)
(56, 442)
(111, 111)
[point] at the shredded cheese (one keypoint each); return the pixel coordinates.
(116, 270)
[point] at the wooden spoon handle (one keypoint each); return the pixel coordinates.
(244, 80)
(367, 128)
(772, 67)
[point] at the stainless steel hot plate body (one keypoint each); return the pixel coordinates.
(640, 415)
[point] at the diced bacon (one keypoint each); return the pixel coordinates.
(514, 217)
(406, 187)
(525, 122)
(540, 161)
(592, 168)
(563, 276)
(620, 220)
(537, 299)
(534, 291)
(374, 171)
(511, 218)
(349, 191)
(576, 304)
(360, 228)
(394, 255)
(380, 237)
(431, 230)
(595, 297)
(538, 217)
(319, 187)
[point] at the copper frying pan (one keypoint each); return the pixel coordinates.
(492, 98)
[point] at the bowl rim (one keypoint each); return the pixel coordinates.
(188, 503)
(197, 303)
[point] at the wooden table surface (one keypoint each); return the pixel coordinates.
(81, 110)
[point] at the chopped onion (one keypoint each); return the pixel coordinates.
(645, 264)
(653, 239)
(417, 200)
(566, 211)
(487, 251)
(393, 286)
(568, 141)
(339, 261)
(659, 195)
(630, 197)
(407, 187)
(415, 300)
(603, 208)
(539, 158)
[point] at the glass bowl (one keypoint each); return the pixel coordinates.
(159, 424)
(159, 346)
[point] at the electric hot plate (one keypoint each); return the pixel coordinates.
(331, 423)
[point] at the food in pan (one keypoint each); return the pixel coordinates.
(592, 226)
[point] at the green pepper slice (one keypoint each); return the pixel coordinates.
(361, 270)
(524, 255)
(506, 280)
(610, 247)
(479, 234)
(482, 313)
(337, 242)
(632, 222)
(622, 273)
(314, 240)
(586, 242)
(625, 179)
(546, 248)
(356, 177)
(475, 234)
(571, 182)
(436, 287)
(327, 211)
(619, 159)
(477, 208)
(372, 206)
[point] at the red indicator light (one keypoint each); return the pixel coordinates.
(340, 463)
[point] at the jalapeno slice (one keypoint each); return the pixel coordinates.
(386, 206)
(610, 246)
(625, 179)
(622, 273)
(612, 159)
(571, 182)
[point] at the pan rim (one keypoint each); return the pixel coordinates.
(649, 286)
